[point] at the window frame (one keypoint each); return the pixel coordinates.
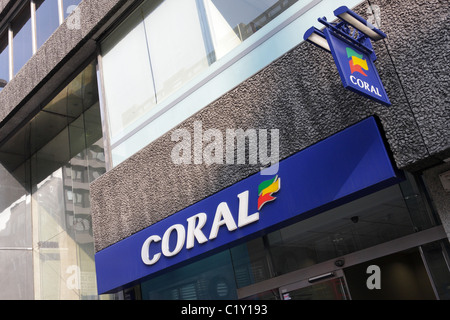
(8, 29)
(23, 16)
(4, 38)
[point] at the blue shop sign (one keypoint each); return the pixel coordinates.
(343, 167)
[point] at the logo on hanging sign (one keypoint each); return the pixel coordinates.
(357, 63)
(356, 68)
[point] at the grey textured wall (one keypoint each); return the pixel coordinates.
(301, 94)
(419, 46)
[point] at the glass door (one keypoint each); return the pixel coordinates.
(327, 286)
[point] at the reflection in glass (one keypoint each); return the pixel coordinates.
(47, 20)
(165, 45)
(15, 219)
(233, 21)
(176, 45)
(23, 49)
(49, 165)
(127, 74)
(66, 224)
(16, 267)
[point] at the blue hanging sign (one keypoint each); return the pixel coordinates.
(356, 68)
(345, 166)
(349, 41)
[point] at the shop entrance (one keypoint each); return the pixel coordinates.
(399, 276)
(327, 286)
(402, 276)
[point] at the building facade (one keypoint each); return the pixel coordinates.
(200, 149)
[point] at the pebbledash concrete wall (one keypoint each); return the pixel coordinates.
(301, 95)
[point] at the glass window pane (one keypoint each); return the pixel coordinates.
(22, 43)
(183, 38)
(250, 262)
(47, 20)
(127, 74)
(15, 211)
(17, 274)
(208, 279)
(69, 6)
(368, 221)
(233, 21)
(45, 171)
(176, 42)
(4, 57)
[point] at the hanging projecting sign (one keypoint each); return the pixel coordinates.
(345, 166)
(349, 41)
(356, 68)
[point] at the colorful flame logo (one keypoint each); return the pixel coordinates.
(266, 189)
(357, 63)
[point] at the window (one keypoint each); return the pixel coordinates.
(176, 45)
(41, 166)
(69, 195)
(47, 20)
(167, 51)
(233, 21)
(22, 42)
(49, 14)
(4, 57)
(78, 174)
(125, 73)
(211, 278)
